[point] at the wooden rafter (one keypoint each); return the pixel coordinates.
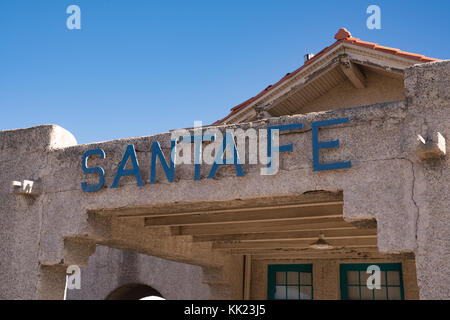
(254, 215)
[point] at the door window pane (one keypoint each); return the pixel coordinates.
(353, 293)
(292, 292)
(363, 277)
(383, 278)
(394, 293)
(292, 278)
(380, 294)
(393, 278)
(306, 292)
(366, 293)
(280, 292)
(281, 278)
(353, 277)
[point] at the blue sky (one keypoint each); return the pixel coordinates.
(141, 67)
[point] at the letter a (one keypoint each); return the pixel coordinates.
(374, 280)
(74, 277)
(374, 21)
(74, 20)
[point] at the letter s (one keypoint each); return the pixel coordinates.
(98, 170)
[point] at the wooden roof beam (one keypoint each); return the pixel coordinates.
(352, 72)
(315, 223)
(238, 216)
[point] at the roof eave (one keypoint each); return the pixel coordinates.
(370, 51)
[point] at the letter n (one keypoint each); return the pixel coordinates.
(169, 171)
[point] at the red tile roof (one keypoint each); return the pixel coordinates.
(342, 36)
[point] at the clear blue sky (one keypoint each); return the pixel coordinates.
(142, 67)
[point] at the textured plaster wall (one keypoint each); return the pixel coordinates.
(23, 156)
(111, 268)
(387, 181)
(428, 95)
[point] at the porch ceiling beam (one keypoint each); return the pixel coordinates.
(318, 223)
(360, 241)
(245, 216)
(287, 235)
(292, 253)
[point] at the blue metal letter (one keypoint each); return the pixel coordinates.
(129, 153)
(227, 140)
(317, 145)
(156, 151)
(98, 170)
(287, 147)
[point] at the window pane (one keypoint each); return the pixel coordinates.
(305, 278)
(280, 292)
(363, 277)
(383, 278)
(393, 278)
(305, 293)
(352, 277)
(380, 294)
(366, 293)
(394, 293)
(292, 292)
(373, 279)
(292, 278)
(281, 278)
(353, 293)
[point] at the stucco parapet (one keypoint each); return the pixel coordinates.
(426, 85)
(33, 140)
(381, 122)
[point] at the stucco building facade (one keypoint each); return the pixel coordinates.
(248, 236)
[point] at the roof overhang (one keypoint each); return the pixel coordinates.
(324, 68)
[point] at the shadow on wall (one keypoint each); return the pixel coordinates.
(135, 291)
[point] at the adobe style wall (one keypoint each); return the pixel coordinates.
(115, 268)
(410, 198)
